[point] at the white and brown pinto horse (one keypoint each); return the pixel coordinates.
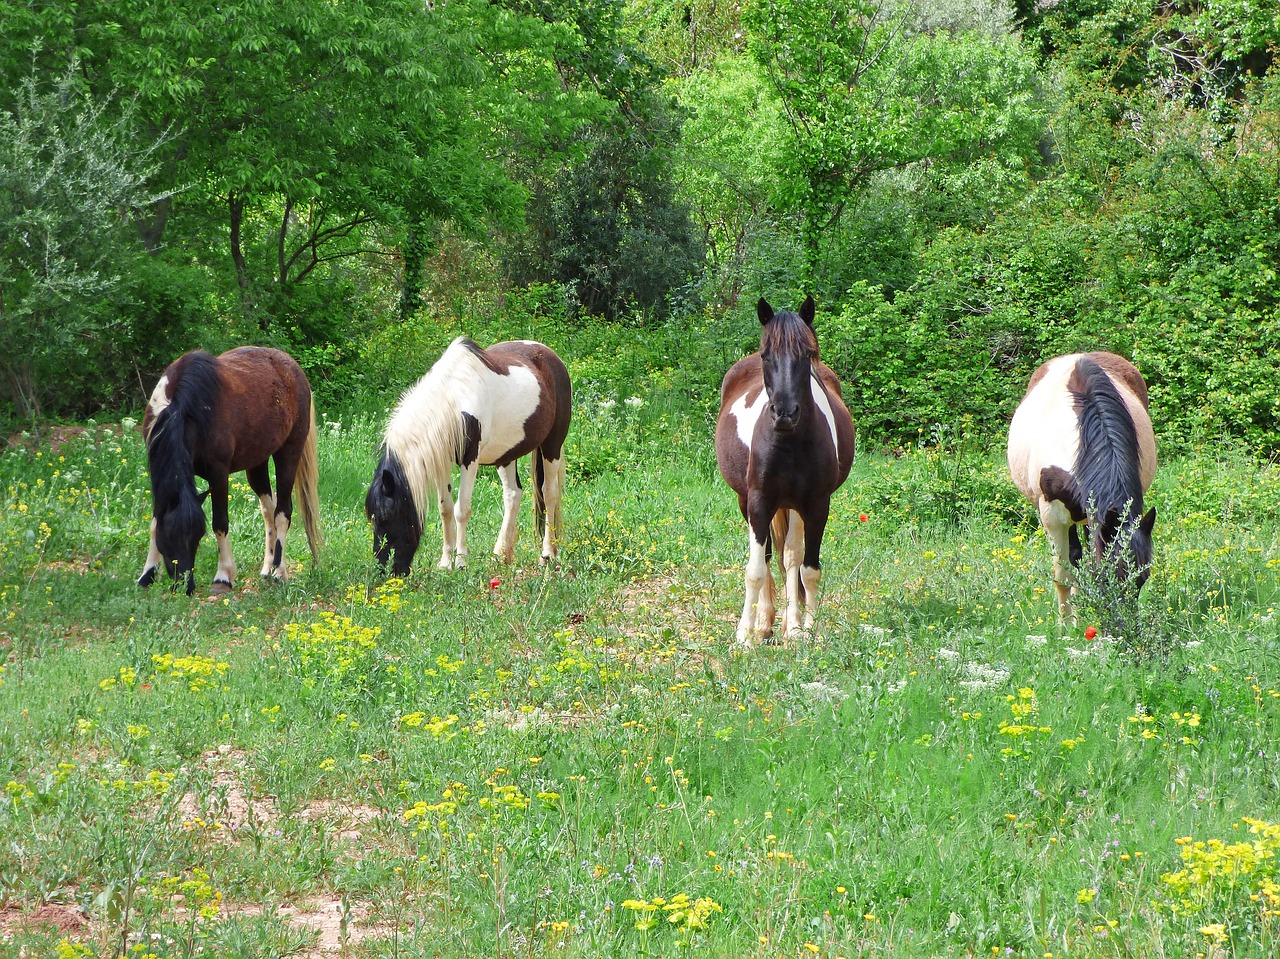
(473, 408)
(1082, 450)
(214, 416)
(784, 443)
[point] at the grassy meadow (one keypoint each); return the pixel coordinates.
(510, 761)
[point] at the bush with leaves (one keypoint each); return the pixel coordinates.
(71, 171)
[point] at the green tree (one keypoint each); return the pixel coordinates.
(606, 225)
(297, 125)
(71, 173)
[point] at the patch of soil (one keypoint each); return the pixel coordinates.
(226, 807)
(55, 438)
(324, 915)
(67, 921)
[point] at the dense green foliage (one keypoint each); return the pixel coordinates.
(967, 186)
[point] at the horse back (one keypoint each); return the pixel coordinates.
(264, 404)
(556, 406)
(1044, 432)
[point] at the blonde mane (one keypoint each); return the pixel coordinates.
(425, 431)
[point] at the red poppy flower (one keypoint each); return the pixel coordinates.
(1090, 632)
(862, 517)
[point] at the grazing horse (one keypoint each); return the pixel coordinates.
(473, 408)
(214, 416)
(784, 444)
(1081, 449)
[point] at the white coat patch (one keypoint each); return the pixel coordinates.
(824, 406)
(745, 417)
(160, 396)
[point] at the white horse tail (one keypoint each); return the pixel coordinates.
(307, 483)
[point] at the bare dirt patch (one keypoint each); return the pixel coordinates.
(226, 807)
(67, 921)
(338, 925)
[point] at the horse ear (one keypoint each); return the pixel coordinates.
(1148, 521)
(806, 309)
(764, 311)
(388, 481)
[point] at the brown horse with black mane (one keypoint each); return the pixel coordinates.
(784, 443)
(214, 416)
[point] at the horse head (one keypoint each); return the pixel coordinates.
(788, 348)
(390, 507)
(1128, 543)
(178, 531)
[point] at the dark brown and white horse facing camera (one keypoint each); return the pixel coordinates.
(473, 408)
(1082, 450)
(214, 416)
(784, 444)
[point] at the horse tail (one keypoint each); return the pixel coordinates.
(538, 469)
(307, 483)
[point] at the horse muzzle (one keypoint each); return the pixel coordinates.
(786, 422)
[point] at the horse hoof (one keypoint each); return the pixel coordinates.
(147, 578)
(219, 587)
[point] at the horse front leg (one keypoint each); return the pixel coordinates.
(462, 512)
(1055, 517)
(154, 560)
(756, 622)
(448, 531)
(219, 491)
(796, 593)
(511, 496)
(260, 483)
(812, 530)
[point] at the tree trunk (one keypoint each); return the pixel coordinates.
(235, 209)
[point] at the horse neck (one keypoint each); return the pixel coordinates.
(171, 460)
(425, 432)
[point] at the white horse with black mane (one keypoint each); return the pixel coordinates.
(1082, 450)
(473, 408)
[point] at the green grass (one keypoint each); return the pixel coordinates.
(548, 766)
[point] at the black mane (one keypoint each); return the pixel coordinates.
(194, 387)
(1107, 461)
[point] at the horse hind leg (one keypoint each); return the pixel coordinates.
(511, 496)
(548, 495)
(260, 483)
